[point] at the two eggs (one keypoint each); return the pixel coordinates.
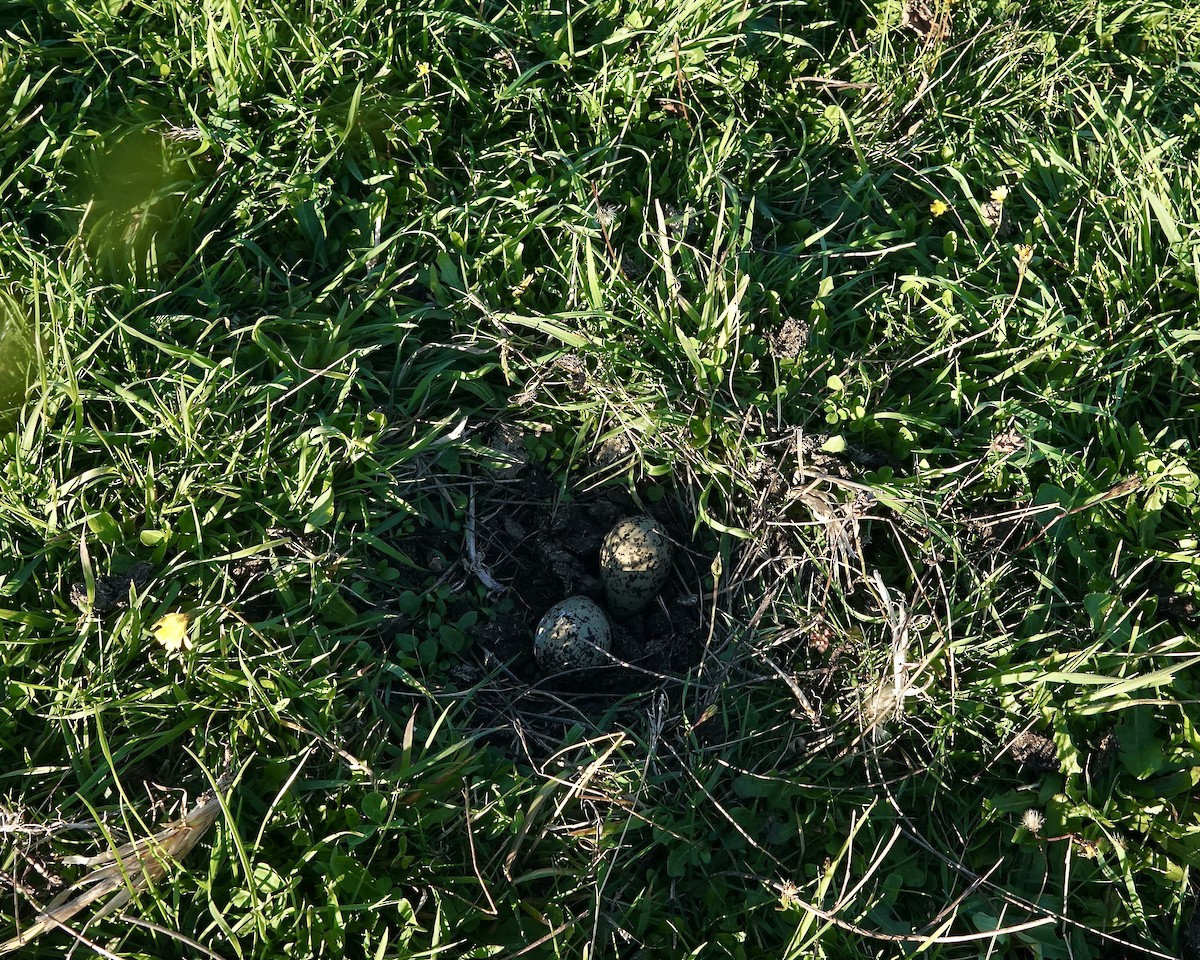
(635, 561)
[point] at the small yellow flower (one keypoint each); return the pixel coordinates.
(938, 207)
(171, 632)
(423, 69)
(1000, 194)
(1024, 253)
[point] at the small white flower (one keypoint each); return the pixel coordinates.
(1033, 821)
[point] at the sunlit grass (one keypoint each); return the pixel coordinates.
(300, 309)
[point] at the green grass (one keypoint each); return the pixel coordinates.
(272, 275)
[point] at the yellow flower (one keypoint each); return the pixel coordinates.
(1024, 253)
(171, 632)
(938, 207)
(423, 69)
(1000, 194)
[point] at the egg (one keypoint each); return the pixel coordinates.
(635, 561)
(574, 633)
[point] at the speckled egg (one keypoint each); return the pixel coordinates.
(635, 561)
(574, 633)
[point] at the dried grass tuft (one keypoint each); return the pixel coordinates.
(128, 870)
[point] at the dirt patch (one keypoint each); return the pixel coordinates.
(1035, 752)
(997, 530)
(112, 590)
(543, 550)
(789, 339)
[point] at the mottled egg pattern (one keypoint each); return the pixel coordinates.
(574, 633)
(635, 561)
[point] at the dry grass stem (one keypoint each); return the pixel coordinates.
(128, 870)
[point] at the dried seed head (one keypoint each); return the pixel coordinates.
(607, 214)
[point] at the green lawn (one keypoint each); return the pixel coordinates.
(347, 329)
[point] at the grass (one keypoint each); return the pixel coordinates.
(277, 281)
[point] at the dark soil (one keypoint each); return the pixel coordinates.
(1036, 753)
(543, 549)
(112, 590)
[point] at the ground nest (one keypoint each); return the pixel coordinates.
(542, 549)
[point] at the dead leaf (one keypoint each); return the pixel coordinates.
(917, 17)
(924, 20)
(672, 108)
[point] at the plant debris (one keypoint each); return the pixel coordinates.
(133, 866)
